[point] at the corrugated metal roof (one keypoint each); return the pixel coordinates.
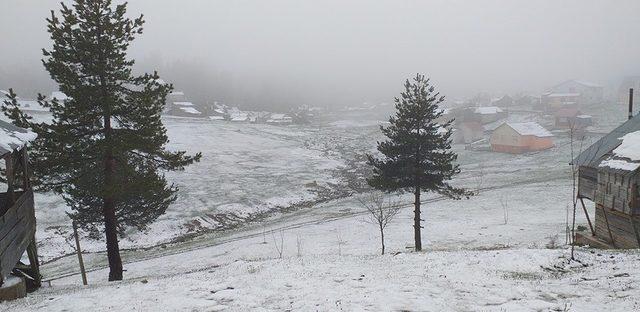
(592, 156)
(13, 137)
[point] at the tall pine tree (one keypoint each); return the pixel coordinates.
(104, 151)
(417, 156)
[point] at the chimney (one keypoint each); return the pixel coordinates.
(630, 103)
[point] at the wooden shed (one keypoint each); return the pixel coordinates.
(522, 137)
(566, 117)
(17, 215)
(609, 175)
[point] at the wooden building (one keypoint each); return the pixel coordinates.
(609, 176)
(555, 101)
(17, 215)
(589, 93)
(517, 138)
(488, 114)
(566, 118)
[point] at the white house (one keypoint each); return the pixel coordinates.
(589, 93)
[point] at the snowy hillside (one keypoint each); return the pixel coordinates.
(307, 246)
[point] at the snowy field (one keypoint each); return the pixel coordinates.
(303, 244)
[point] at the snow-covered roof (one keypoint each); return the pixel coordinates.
(627, 155)
(592, 156)
(176, 93)
(183, 103)
(566, 94)
(278, 116)
(619, 164)
(13, 138)
(190, 110)
(239, 116)
(630, 146)
(59, 96)
(530, 128)
(588, 84)
(30, 105)
(488, 110)
(584, 116)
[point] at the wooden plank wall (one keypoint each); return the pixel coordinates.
(587, 182)
(620, 225)
(17, 229)
(616, 190)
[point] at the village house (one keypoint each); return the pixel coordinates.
(488, 114)
(279, 119)
(504, 102)
(17, 216)
(517, 138)
(609, 176)
(589, 93)
(554, 101)
(185, 109)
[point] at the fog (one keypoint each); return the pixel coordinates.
(278, 54)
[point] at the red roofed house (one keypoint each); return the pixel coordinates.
(517, 138)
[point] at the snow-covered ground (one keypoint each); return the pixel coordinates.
(330, 262)
(246, 172)
(502, 250)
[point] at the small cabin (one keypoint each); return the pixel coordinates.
(609, 176)
(566, 118)
(17, 215)
(522, 137)
(489, 114)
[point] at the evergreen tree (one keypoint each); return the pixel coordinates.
(104, 151)
(417, 156)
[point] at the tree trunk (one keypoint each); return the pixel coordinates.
(111, 226)
(109, 207)
(382, 238)
(416, 221)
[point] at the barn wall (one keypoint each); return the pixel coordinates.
(504, 135)
(620, 224)
(17, 228)
(587, 182)
(617, 191)
(538, 144)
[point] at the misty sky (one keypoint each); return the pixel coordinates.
(349, 52)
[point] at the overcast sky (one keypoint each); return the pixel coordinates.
(324, 52)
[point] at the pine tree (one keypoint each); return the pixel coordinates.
(417, 156)
(104, 151)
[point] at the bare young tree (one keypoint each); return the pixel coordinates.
(574, 134)
(505, 209)
(278, 245)
(381, 211)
